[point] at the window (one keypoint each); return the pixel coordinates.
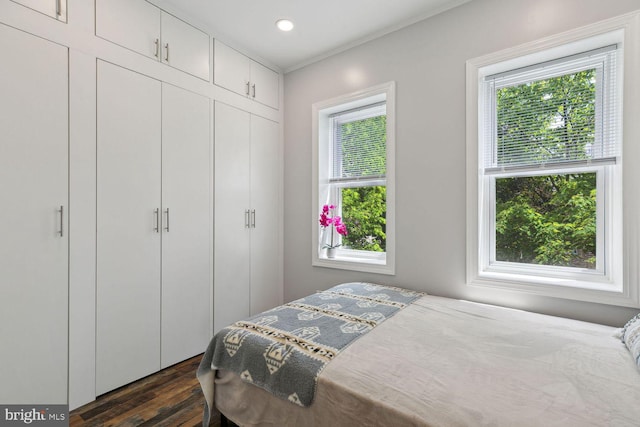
(558, 116)
(353, 147)
(545, 160)
(358, 180)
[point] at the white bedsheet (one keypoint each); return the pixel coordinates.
(444, 362)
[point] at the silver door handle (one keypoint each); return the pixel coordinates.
(157, 43)
(61, 232)
(167, 47)
(58, 8)
(253, 218)
(167, 227)
(156, 213)
(247, 91)
(247, 224)
(253, 86)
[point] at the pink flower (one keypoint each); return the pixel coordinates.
(325, 221)
(342, 229)
(327, 208)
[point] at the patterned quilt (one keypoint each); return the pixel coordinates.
(283, 350)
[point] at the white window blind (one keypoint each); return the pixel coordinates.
(558, 113)
(359, 146)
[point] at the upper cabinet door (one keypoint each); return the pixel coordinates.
(134, 24)
(54, 8)
(231, 69)
(264, 85)
(185, 47)
(240, 74)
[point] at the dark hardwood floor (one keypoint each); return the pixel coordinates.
(171, 397)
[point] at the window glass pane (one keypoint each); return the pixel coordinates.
(545, 121)
(549, 220)
(361, 149)
(364, 212)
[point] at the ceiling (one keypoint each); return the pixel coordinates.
(322, 27)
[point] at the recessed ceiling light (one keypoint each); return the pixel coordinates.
(284, 24)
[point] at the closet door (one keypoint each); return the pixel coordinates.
(54, 8)
(186, 196)
(33, 220)
(185, 47)
(134, 24)
(266, 169)
(264, 85)
(129, 223)
(231, 69)
(232, 255)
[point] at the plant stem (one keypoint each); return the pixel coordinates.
(332, 227)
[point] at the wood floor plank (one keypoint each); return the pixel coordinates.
(169, 398)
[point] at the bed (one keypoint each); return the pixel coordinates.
(440, 362)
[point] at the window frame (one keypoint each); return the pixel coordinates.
(322, 144)
(619, 283)
(587, 278)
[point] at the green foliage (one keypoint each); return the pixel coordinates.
(364, 148)
(364, 212)
(550, 219)
(364, 154)
(550, 120)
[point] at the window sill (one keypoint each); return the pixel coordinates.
(566, 288)
(345, 261)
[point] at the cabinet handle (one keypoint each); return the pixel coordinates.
(167, 227)
(157, 43)
(156, 213)
(58, 8)
(253, 86)
(247, 91)
(253, 218)
(61, 210)
(247, 224)
(167, 57)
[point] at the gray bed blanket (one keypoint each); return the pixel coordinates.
(283, 350)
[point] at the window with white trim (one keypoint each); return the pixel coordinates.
(545, 194)
(550, 148)
(353, 147)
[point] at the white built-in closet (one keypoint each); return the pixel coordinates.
(112, 205)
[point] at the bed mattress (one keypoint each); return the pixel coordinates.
(446, 362)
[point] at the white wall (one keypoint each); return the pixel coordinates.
(427, 61)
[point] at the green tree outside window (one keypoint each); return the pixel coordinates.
(364, 153)
(547, 219)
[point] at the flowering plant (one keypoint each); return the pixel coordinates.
(335, 222)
